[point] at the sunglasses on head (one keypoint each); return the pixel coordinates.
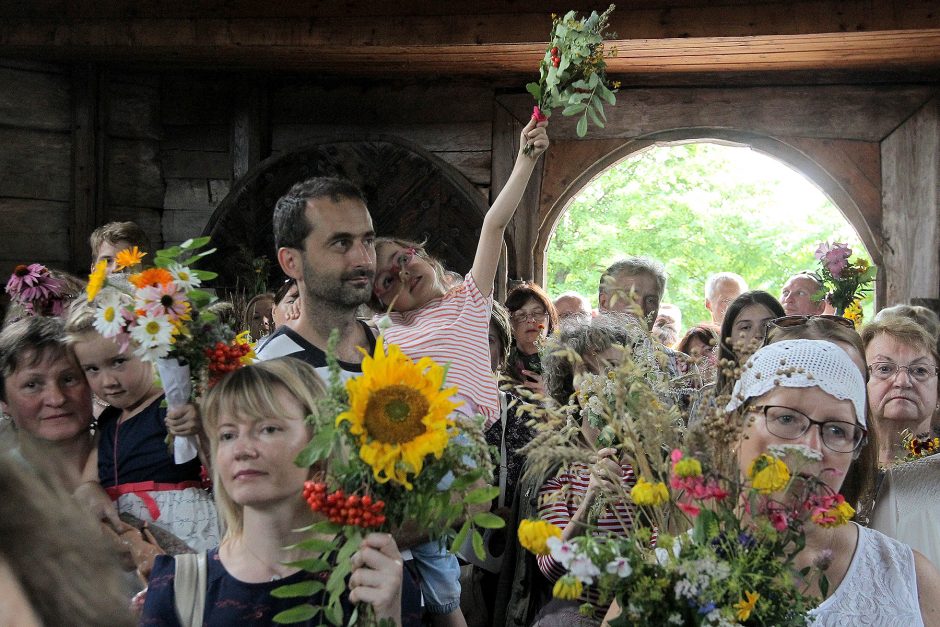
(787, 322)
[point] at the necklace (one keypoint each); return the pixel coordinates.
(275, 575)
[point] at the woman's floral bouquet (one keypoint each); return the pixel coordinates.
(35, 289)
(572, 73)
(845, 282)
(170, 321)
(712, 547)
(394, 456)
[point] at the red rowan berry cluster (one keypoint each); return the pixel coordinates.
(224, 358)
(344, 510)
(556, 57)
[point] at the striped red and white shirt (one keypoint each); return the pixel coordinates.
(454, 329)
(559, 499)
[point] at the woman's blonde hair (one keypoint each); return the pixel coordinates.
(250, 394)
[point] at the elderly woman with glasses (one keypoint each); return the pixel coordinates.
(903, 387)
(811, 393)
(533, 317)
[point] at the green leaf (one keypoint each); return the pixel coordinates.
(488, 521)
(204, 275)
(465, 480)
(320, 447)
(599, 105)
(582, 126)
(574, 109)
(199, 298)
(478, 545)
(607, 95)
(302, 589)
(535, 90)
(172, 251)
(323, 526)
(316, 545)
(461, 538)
(595, 118)
(481, 495)
(297, 614)
(195, 242)
(163, 262)
(824, 585)
(335, 614)
(312, 565)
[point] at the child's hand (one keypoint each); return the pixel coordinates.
(534, 135)
(183, 420)
(377, 575)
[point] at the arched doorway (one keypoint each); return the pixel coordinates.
(846, 183)
(411, 193)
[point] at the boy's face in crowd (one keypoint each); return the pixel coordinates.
(119, 378)
(108, 251)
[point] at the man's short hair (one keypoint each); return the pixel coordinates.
(291, 226)
(716, 280)
(633, 266)
(114, 232)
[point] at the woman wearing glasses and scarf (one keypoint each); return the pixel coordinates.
(533, 317)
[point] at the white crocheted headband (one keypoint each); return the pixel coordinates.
(802, 364)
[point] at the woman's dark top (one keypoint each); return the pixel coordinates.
(233, 602)
(518, 434)
(139, 445)
(519, 361)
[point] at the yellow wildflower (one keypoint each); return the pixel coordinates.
(854, 313)
(399, 413)
(688, 467)
(96, 279)
(567, 588)
(128, 258)
(745, 607)
(768, 474)
(534, 534)
(248, 358)
(646, 493)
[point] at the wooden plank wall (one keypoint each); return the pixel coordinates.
(35, 165)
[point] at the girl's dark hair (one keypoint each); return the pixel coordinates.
(282, 291)
(525, 292)
(753, 297)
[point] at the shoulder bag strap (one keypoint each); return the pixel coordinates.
(189, 588)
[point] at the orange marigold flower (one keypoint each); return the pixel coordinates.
(128, 258)
(151, 276)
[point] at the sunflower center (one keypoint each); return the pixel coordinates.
(394, 414)
(153, 327)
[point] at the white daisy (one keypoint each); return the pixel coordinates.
(184, 277)
(109, 317)
(153, 330)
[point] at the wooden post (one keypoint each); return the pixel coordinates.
(910, 165)
(86, 165)
(251, 136)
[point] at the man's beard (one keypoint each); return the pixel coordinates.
(336, 291)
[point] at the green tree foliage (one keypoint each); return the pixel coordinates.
(698, 208)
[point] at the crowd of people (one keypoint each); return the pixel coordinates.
(102, 526)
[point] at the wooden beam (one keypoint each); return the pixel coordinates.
(348, 46)
(85, 206)
(837, 112)
(251, 128)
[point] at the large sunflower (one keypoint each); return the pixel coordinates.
(399, 413)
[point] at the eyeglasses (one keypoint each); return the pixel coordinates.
(790, 424)
(885, 370)
(519, 317)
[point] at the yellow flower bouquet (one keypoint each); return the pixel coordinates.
(395, 454)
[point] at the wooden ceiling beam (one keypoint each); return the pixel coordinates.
(220, 44)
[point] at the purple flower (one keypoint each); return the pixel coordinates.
(36, 289)
(834, 258)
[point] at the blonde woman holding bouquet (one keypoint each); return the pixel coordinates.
(811, 393)
(255, 421)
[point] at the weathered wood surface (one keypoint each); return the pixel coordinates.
(36, 100)
(35, 164)
(211, 137)
(910, 161)
(411, 194)
(435, 137)
(196, 164)
(150, 220)
(23, 242)
(250, 128)
(133, 110)
(833, 112)
(134, 177)
(84, 216)
(188, 205)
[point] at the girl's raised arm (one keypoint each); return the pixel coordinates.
(499, 215)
